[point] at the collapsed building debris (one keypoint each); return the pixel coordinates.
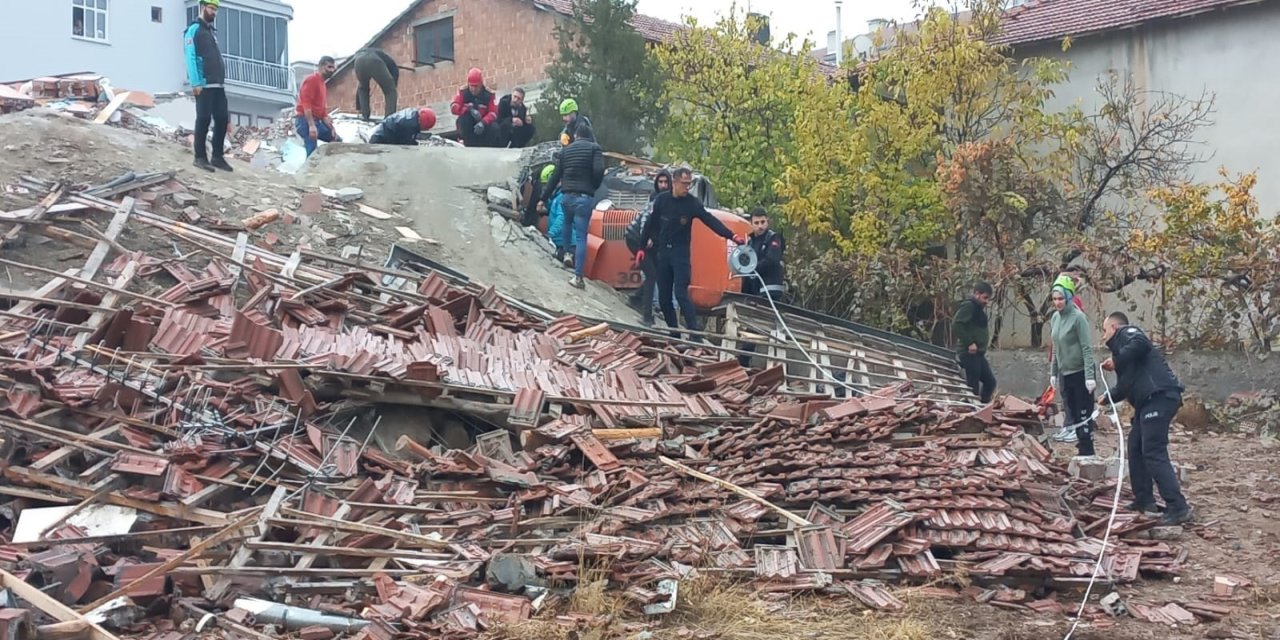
(192, 433)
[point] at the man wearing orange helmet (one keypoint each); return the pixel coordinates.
(403, 127)
(476, 112)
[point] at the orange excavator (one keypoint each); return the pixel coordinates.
(623, 196)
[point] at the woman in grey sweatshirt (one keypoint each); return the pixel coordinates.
(1072, 370)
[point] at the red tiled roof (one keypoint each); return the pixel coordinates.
(650, 28)
(1041, 20)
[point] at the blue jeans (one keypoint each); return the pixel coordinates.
(326, 134)
(578, 207)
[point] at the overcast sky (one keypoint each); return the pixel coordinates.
(334, 27)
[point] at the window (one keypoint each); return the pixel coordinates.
(433, 41)
(157, 14)
(89, 19)
(240, 119)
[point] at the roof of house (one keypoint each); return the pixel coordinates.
(1041, 20)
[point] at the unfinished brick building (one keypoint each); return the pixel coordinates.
(513, 41)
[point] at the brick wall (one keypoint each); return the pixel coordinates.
(511, 40)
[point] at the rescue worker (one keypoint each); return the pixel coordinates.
(768, 247)
(973, 335)
(313, 122)
(1071, 369)
(554, 206)
(579, 175)
(670, 232)
(648, 265)
(1145, 380)
(515, 129)
(476, 112)
(403, 127)
(375, 65)
(206, 73)
(569, 113)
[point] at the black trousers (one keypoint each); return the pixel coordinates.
(674, 272)
(211, 106)
(1077, 402)
(649, 268)
(512, 136)
(978, 374)
(466, 131)
(1149, 452)
(370, 67)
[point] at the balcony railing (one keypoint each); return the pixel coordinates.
(258, 74)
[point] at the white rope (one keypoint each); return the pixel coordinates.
(1115, 507)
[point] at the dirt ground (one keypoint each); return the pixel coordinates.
(437, 191)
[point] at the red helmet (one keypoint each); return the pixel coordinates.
(426, 119)
(475, 76)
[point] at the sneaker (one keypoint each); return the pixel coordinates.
(567, 261)
(1173, 518)
(201, 163)
(577, 282)
(221, 163)
(1065, 435)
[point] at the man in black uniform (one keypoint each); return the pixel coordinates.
(375, 65)
(403, 127)
(515, 129)
(768, 246)
(1143, 377)
(670, 233)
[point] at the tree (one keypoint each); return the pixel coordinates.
(733, 103)
(604, 64)
(1211, 245)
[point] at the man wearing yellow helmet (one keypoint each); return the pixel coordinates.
(206, 74)
(569, 112)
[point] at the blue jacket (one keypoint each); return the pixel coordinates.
(204, 60)
(400, 127)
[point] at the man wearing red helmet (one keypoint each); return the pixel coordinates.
(403, 127)
(476, 112)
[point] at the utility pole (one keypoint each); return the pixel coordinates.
(839, 35)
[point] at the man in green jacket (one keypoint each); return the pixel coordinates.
(969, 326)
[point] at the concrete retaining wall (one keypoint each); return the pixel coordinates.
(1210, 375)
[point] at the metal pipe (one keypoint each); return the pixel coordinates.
(294, 618)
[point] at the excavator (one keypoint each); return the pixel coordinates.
(718, 264)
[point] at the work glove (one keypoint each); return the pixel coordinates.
(739, 239)
(1053, 382)
(1091, 385)
(479, 128)
(639, 257)
(475, 114)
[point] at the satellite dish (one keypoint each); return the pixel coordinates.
(863, 46)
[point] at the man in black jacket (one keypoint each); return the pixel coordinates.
(579, 175)
(1143, 377)
(403, 127)
(970, 329)
(670, 233)
(634, 237)
(375, 65)
(206, 74)
(515, 129)
(768, 246)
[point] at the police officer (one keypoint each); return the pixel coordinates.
(1143, 377)
(768, 246)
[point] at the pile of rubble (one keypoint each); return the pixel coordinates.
(194, 434)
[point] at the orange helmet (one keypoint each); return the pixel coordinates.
(426, 119)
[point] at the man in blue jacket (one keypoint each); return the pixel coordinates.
(1143, 377)
(403, 127)
(206, 74)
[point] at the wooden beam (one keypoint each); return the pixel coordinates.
(101, 251)
(50, 606)
(70, 487)
(313, 520)
(245, 553)
(40, 210)
(322, 538)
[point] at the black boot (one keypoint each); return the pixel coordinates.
(1174, 517)
(202, 163)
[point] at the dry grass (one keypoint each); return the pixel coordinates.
(733, 612)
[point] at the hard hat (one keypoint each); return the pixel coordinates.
(547, 171)
(475, 76)
(213, 3)
(568, 106)
(426, 119)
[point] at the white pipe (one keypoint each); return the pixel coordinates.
(839, 35)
